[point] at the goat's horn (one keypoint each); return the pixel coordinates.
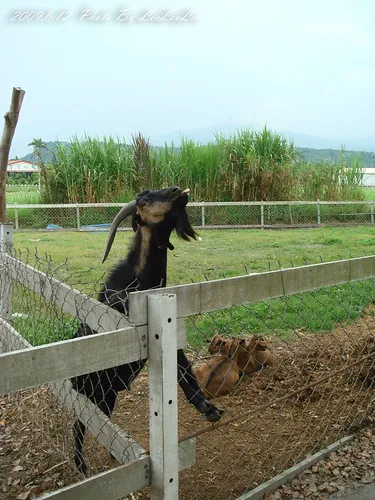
(123, 213)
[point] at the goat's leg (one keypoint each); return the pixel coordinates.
(192, 390)
(79, 430)
(106, 405)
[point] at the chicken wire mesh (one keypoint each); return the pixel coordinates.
(256, 214)
(309, 382)
(36, 425)
(311, 385)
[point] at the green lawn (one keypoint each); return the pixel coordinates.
(20, 195)
(369, 193)
(219, 253)
(30, 195)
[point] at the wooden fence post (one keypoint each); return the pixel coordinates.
(10, 123)
(162, 370)
(6, 284)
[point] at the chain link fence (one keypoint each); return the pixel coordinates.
(308, 383)
(36, 425)
(293, 374)
(98, 216)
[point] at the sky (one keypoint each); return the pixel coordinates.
(112, 68)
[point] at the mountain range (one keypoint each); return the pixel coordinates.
(207, 134)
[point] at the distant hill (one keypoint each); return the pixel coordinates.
(206, 134)
(46, 153)
(316, 155)
(307, 154)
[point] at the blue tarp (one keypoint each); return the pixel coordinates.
(92, 227)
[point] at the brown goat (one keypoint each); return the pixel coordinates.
(252, 356)
(220, 375)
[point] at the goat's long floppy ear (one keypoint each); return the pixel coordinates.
(123, 213)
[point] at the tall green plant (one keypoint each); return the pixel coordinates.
(249, 165)
(257, 166)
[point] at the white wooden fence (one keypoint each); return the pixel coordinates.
(155, 329)
(117, 342)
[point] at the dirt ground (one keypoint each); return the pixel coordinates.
(340, 475)
(268, 434)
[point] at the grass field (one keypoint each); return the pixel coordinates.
(226, 253)
(369, 193)
(21, 195)
(30, 195)
(220, 252)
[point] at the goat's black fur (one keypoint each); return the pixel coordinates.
(157, 214)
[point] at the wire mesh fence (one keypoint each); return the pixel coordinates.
(302, 377)
(38, 426)
(293, 374)
(208, 214)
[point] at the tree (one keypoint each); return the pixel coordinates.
(38, 144)
(11, 119)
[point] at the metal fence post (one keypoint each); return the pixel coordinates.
(262, 214)
(15, 217)
(372, 212)
(78, 218)
(318, 211)
(162, 370)
(6, 284)
(203, 215)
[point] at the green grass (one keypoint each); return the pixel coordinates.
(219, 253)
(20, 195)
(317, 311)
(369, 193)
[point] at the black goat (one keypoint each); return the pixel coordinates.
(155, 214)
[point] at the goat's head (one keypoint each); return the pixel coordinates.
(226, 345)
(216, 343)
(230, 347)
(257, 343)
(162, 210)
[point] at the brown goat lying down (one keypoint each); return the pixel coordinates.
(220, 375)
(254, 355)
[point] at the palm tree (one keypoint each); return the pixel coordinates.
(38, 144)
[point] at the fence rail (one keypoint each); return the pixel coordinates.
(98, 216)
(198, 298)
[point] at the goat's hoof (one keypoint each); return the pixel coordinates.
(214, 414)
(83, 470)
(81, 466)
(210, 411)
(203, 407)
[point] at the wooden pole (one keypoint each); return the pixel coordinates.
(162, 373)
(11, 119)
